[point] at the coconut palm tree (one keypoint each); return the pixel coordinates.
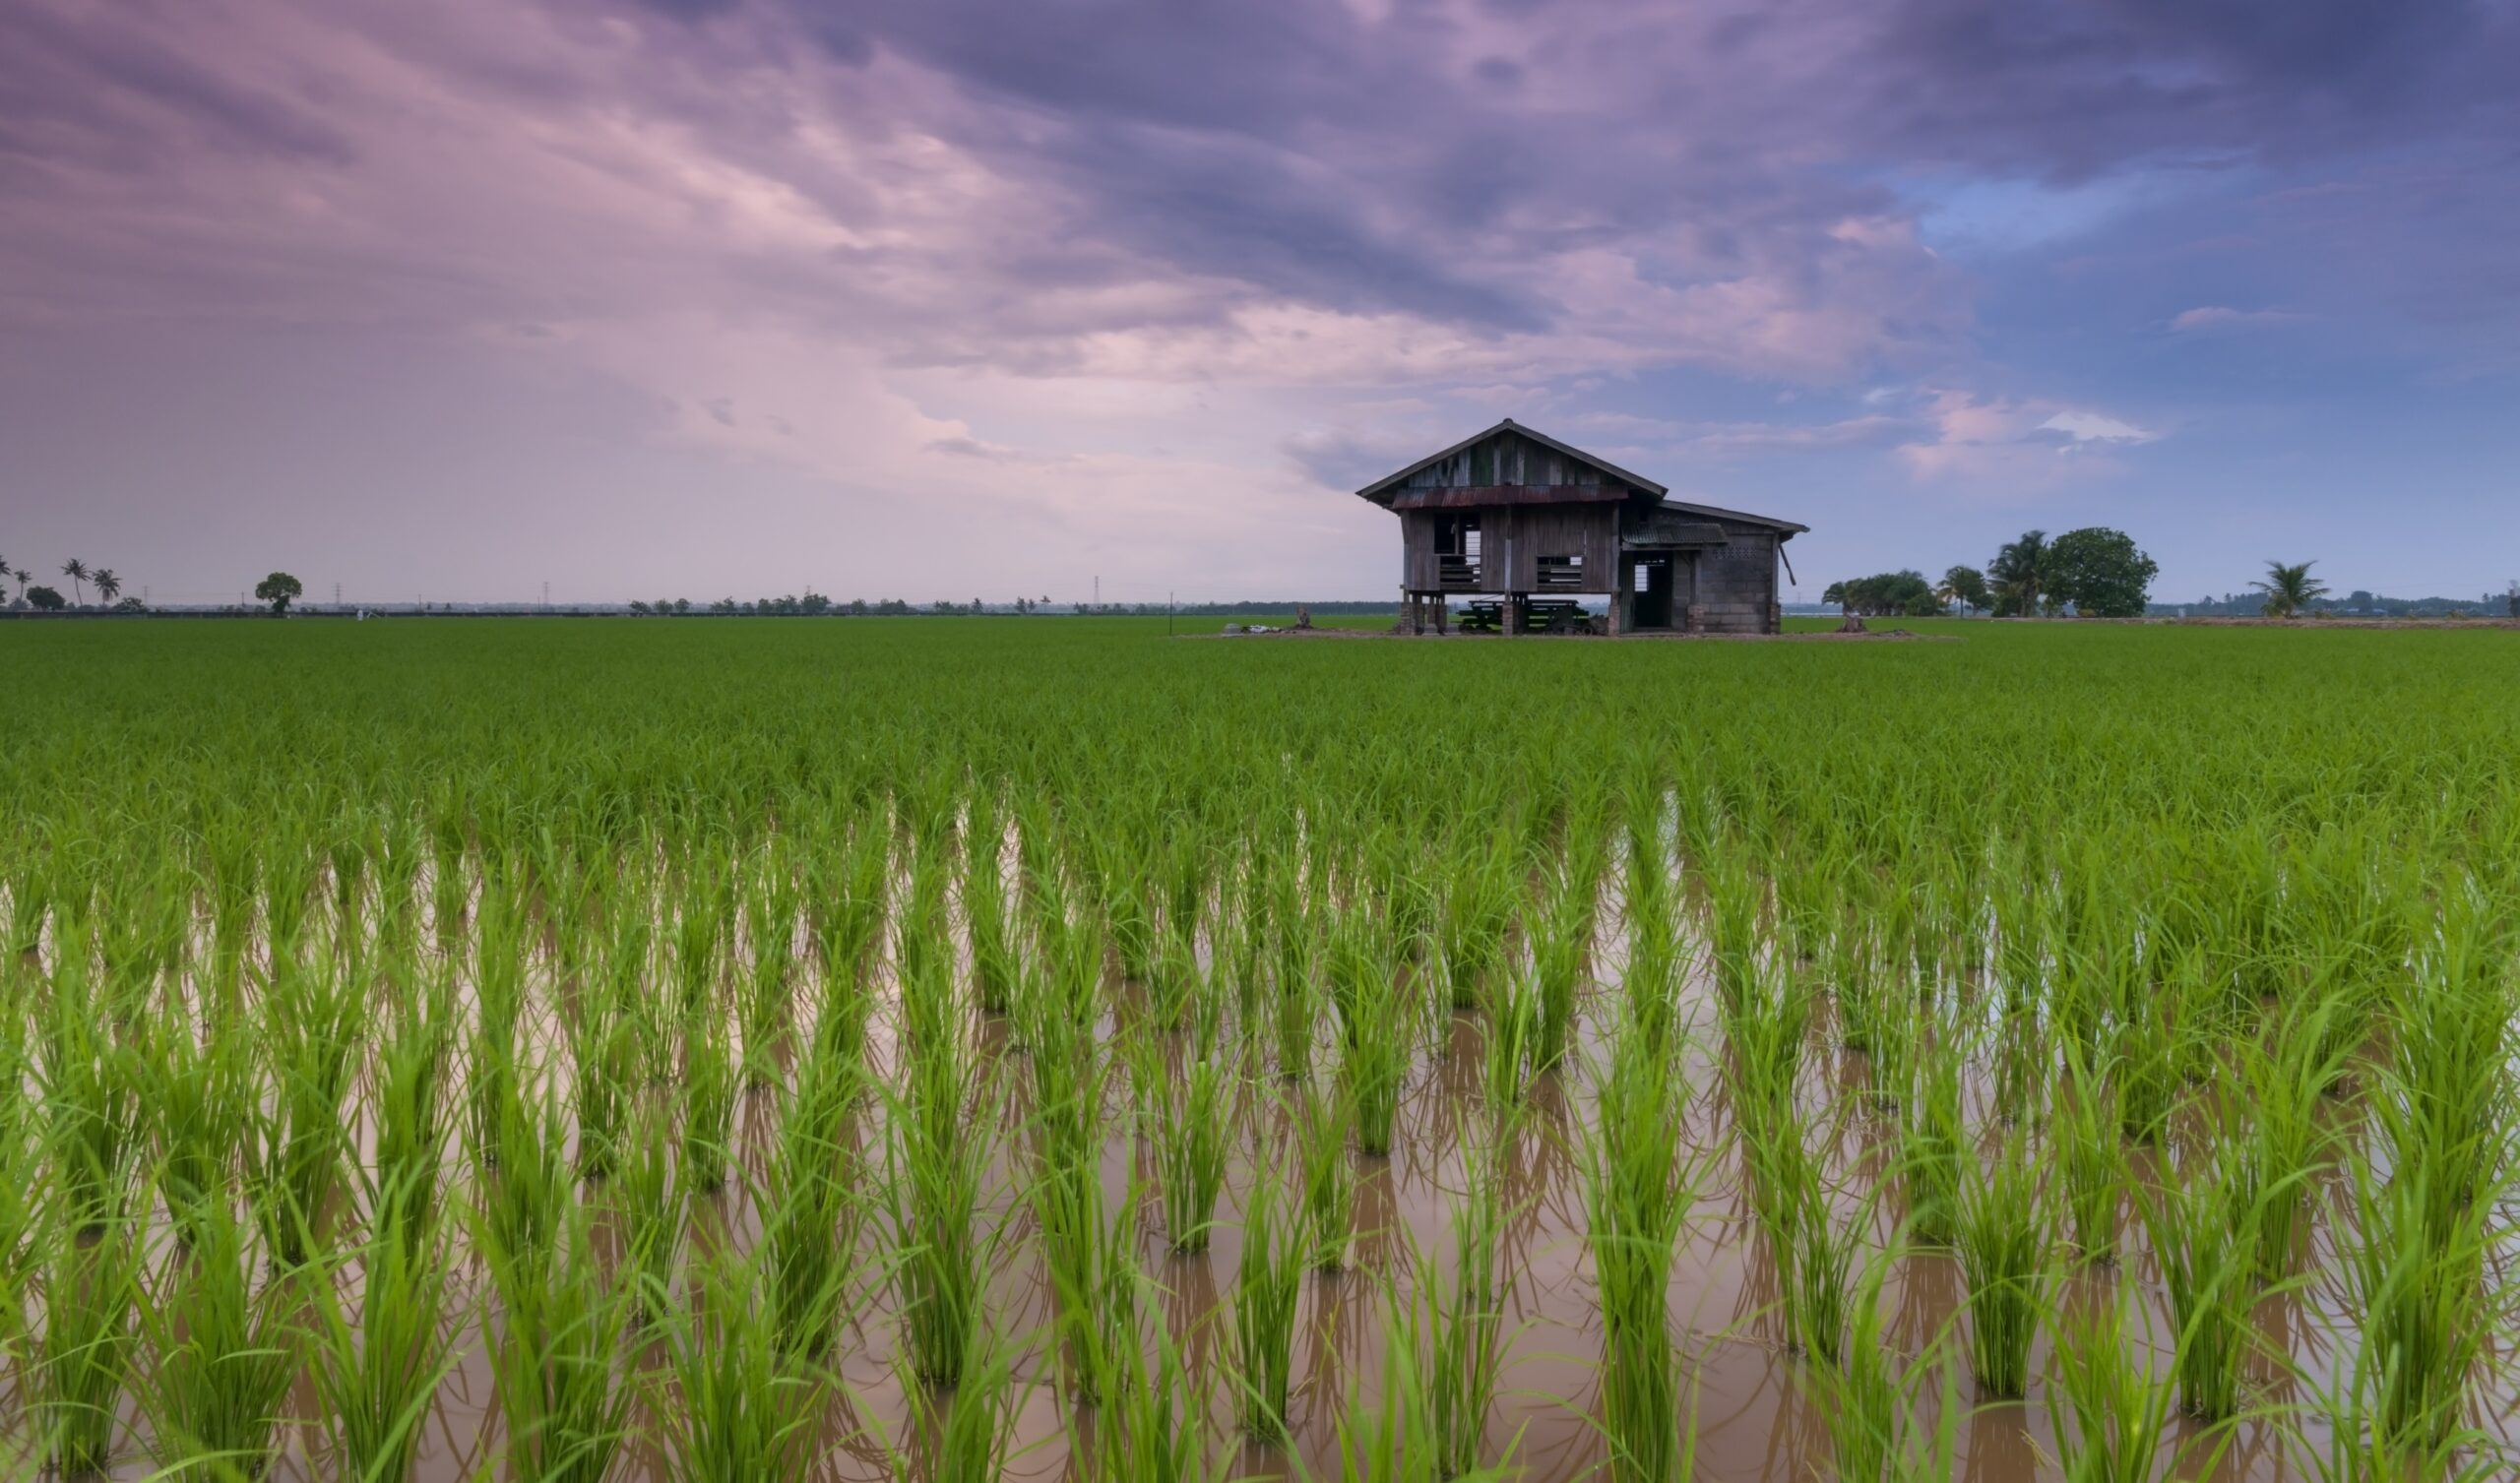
(77, 571)
(108, 585)
(2018, 573)
(21, 574)
(2289, 590)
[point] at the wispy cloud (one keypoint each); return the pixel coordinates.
(2219, 317)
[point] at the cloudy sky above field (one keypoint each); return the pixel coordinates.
(944, 298)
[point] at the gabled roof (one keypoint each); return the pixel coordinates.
(1375, 489)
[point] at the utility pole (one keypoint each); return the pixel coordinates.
(336, 594)
(1097, 591)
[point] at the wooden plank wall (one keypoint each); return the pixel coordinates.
(1505, 459)
(1417, 566)
(1537, 530)
(1512, 539)
(1735, 583)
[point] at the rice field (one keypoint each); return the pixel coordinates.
(723, 1051)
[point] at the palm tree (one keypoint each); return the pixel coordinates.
(2019, 572)
(21, 574)
(108, 585)
(2289, 590)
(77, 571)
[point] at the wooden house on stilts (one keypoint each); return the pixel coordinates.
(1524, 526)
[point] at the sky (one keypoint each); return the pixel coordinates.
(986, 298)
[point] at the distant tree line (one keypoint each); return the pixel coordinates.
(2290, 590)
(2094, 573)
(815, 605)
(48, 600)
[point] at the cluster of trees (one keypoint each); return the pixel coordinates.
(2094, 571)
(81, 577)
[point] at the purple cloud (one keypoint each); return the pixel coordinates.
(1067, 260)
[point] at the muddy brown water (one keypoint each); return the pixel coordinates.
(1755, 1409)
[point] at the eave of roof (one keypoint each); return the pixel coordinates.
(1718, 511)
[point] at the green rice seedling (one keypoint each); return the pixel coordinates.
(2283, 1147)
(521, 1204)
(1172, 979)
(1089, 1246)
(1650, 979)
(1267, 1285)
(564, 1408)
(2416, 1269)
(1387, 1441)
(936, 1161)
(1374, 1067)
(2091, 1162)
(87, 1083)
(2145, 1053)
(2381, 1420)
(1818, 1299)
(1638, 1194)
(314, 1030)
(845, 904)
(1733, 920)
(995, 959)
(1869, 1400)
(2116, 1418)
(1505, 1042)
(1863, 1396)
(765, 995)
(650, 1199)
(703, 926)
(970, 1432)
(2003, 1241)
(20, 1195)
(1478, 945)
(1297, 1002)
(2451, 1082)
(1462, 1323)
(1932, 1145)
(1242, 968)
(409, 1108)
(604, 1077)
(812, 1214)
(91, 1287)
(1153, 1425)
(203, 1079)
(1559, 950)
(377, 1373)
(222, 1355)
(708, 1104)
(1329, 1174)
(2203, 1238)
(1767, 1022)
(732, 1404)
(1188, 1121)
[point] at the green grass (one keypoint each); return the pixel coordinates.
(702, 946)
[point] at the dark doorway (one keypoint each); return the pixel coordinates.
(1650, 603)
